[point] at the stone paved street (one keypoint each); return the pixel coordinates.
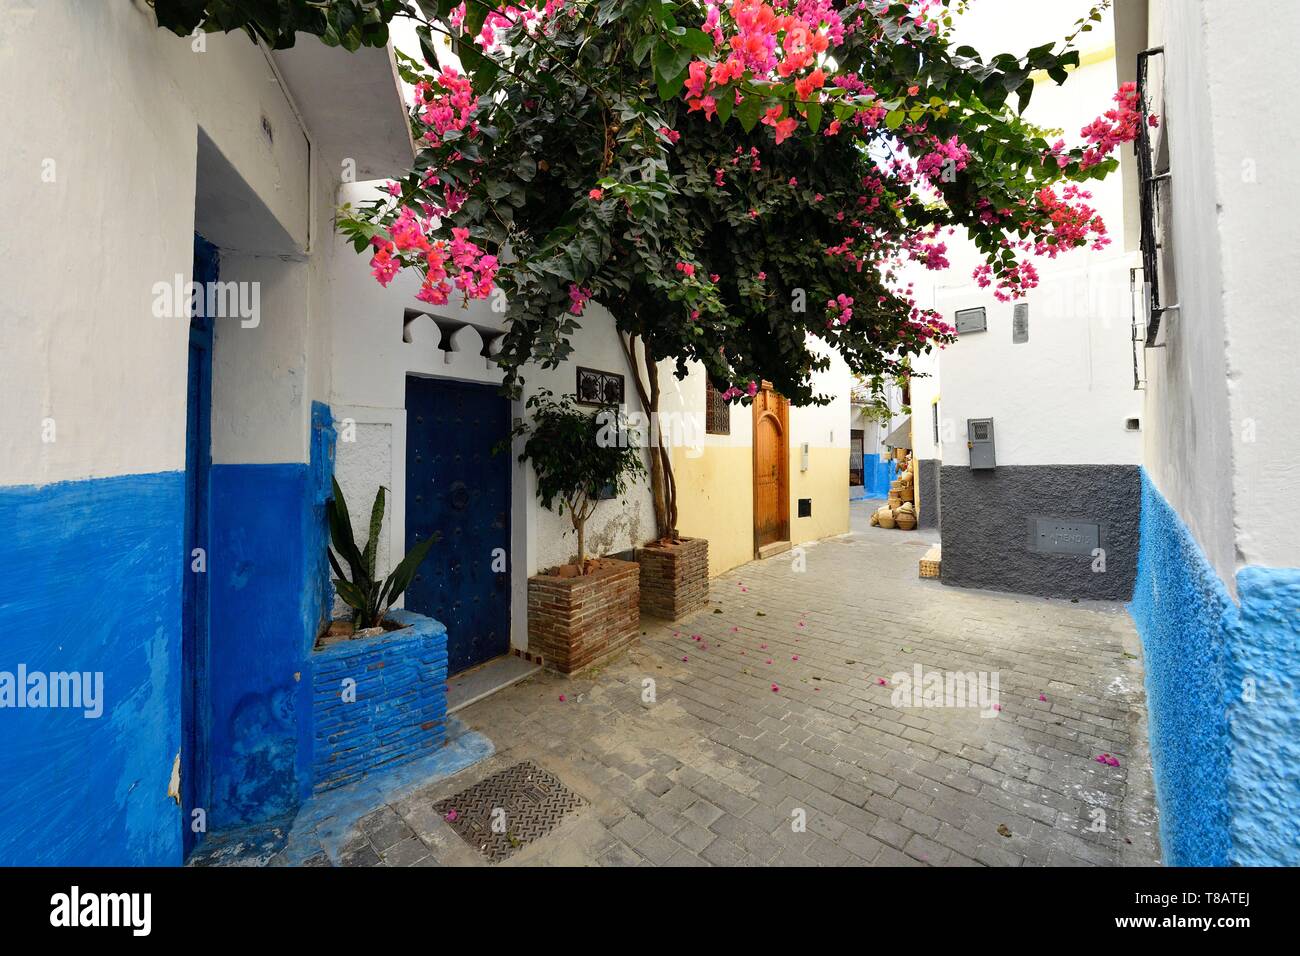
(721, 767)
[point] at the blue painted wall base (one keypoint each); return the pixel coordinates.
(1222, 684)
(393, 708)
(92, 583)
(877, 474)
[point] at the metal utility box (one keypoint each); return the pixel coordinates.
(1020, 324)
(971, 320)
(979, 439)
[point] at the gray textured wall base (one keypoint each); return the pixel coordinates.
(927, 490)
(987, 528)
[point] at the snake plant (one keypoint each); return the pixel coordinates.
(368, 597)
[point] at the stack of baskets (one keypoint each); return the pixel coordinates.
(900, 510)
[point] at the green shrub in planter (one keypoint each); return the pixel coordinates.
(576, 462)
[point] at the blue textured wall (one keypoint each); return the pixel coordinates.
(1227, 769)
(91, 574)
(1264, 792)
(1182, 612)
(399, 712)
(877, 474)
(269, 592)
(261, 703)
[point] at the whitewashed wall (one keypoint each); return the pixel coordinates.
(1066, 396)
(79, 339)
(1234, 148)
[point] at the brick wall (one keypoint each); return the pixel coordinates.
(674, 580)
(576, 622)
(400, 710)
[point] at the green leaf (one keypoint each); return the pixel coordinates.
(725, 104)
(642, 48)
(813, 111)
(670, 65)
(341, 531)
(476, 12)
(748, 112)
(376, 523)
(352, 595)
(698, 42)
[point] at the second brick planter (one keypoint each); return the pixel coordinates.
(576, 622)
(674, 578)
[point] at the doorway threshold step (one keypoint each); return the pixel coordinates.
(473, 685)
(775, 548)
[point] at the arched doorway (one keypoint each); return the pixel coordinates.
(771, 472)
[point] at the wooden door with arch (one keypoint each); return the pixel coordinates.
(771, 470)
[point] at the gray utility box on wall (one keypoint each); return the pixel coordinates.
(979, 439)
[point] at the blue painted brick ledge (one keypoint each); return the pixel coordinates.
(400, 710)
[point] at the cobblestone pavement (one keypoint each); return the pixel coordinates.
(776, 715)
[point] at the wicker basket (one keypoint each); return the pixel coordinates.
(886, 520)
(905, 520)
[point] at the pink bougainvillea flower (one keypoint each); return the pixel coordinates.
(563, 698)
(394, 189)
(769, 660)
(451, 815)
(1107, 759)
(775, 689)
(1043, 698)
(882, 682)
(683, 658)
(762, 647)
(795, 657)
(997, 708)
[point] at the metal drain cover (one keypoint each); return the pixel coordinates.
(508, 810)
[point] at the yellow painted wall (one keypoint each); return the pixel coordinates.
(715, 499)
(826, 482)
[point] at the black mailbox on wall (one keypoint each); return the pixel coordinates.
(979, 439)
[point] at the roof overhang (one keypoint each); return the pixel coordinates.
(901, 437)
(352, 105)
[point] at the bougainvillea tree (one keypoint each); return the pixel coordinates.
(739, 183)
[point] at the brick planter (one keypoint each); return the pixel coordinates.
(400, 710)
(674, 578)
(576, 622)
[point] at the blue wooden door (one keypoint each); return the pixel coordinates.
(457, 487)
(194, 624)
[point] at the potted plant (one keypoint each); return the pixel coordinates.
(584, 612)
(369, 598)
(379, 680)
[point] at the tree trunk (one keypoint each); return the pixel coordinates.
(663, 485)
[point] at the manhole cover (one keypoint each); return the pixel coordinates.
(508, 810)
